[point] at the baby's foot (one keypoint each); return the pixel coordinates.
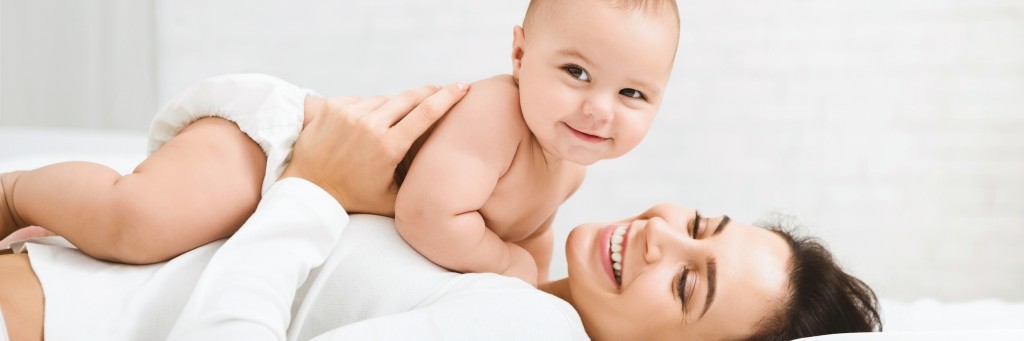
(23, 234)
(9, 220)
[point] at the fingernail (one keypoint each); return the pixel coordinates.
(461, 86)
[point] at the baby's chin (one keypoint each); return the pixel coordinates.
(589, 157)
(583, 158)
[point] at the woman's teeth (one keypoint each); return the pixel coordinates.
(615, 246)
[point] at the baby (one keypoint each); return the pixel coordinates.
(477, 194)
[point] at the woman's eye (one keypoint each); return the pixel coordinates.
(685, 286)
(681, 286)
(632, 93)
(577, 72)
(697, 219)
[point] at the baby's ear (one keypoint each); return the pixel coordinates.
(518, 40)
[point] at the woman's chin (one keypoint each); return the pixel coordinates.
(583, 259)
(573, 248)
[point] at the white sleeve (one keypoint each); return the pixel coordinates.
(517, 314)
(246, 291)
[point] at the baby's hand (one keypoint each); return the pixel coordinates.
(522, 265)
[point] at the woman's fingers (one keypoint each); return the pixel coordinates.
(368, 105)
(399, 106)
(413, 125)
(351, 149)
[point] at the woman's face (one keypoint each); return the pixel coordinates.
(657, 281)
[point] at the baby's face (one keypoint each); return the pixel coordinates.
(592, 77)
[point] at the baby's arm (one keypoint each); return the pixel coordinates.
(437, 214)
(539, 246)
(453, 175)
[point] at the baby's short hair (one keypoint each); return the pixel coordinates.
(542, 10)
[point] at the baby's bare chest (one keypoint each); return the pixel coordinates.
(525, 198)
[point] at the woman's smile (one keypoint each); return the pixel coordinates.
(613, 249)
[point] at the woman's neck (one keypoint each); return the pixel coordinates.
(559, 288)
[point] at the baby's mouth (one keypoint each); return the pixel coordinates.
(616, 248)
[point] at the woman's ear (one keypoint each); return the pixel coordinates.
(518, 40)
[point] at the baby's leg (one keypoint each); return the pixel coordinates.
(198, 187)
(8, 221)
(21, 298)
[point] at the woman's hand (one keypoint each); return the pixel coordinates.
(351, 146)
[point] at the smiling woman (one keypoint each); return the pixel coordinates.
(682, 276)
(671, 273)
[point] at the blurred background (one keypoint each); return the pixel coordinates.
(891, 129)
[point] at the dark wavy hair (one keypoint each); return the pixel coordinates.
(822, 298)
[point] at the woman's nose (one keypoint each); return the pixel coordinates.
(668, 241)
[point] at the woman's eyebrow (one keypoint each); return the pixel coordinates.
(712, 267)
(721, 225)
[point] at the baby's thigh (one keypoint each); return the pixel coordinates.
(198, 187)
(21, 298)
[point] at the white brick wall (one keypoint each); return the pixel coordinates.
(892, 129)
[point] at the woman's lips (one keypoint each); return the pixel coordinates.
(584, 136)
(605, 248)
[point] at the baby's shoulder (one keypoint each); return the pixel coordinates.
(486, 121)
(500, 87)
(490, 107)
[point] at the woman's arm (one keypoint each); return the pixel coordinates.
(246, 290)
(342, 156)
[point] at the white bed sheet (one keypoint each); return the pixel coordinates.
(932, 319)
(27, 148)
(924, 319)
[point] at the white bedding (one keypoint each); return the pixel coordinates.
(923, 319)
(931, 319)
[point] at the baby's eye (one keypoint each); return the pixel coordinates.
(632, 93)
(577, 72)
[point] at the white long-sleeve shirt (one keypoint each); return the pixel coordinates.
(294, 271)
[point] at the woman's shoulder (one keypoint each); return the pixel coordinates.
(474, 307)
(487, 297)
(375, 278)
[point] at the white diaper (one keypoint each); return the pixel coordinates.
(264, 107)
(3, 327)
